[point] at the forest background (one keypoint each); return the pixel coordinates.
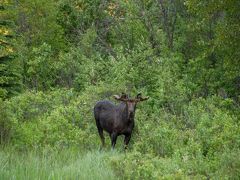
(59, 57)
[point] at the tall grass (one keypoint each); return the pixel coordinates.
(68, 164)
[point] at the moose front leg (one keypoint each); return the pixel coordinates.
(126, 140)
(113, 139)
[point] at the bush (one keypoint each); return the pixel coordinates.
(197, 140)
(198, 143)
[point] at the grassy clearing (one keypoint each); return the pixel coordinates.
(67, 164)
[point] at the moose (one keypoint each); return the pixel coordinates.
(116, 119)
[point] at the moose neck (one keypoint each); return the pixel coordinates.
(126, 115)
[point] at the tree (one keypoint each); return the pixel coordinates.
(217, 24)
(10, 77)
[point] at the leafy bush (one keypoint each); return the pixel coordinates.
(196, 141)
(193, 144)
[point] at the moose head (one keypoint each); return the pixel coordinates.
(130, 102)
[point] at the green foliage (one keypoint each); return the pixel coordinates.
(37, 23)
(10, 73)
(186, 145)
(40, 67)
(7, 122)
(67, 164)
(59, 118)
(184, 55)
(36, 116)
(217, 22)
(198, 144)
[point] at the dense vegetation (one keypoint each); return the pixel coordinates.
(59, 57)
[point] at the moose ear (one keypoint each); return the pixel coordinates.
(140, 98)
(144, 98)
(139, 95)
(123, 97)
(117, 97)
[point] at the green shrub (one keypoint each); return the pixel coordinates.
(195, 141)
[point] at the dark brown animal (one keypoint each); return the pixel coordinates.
(116, 119)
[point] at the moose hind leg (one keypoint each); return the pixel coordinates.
(100, 132)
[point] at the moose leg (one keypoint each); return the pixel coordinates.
(100, 132)
(113, 139)
(126, 140)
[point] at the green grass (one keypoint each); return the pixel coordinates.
(67, 164)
